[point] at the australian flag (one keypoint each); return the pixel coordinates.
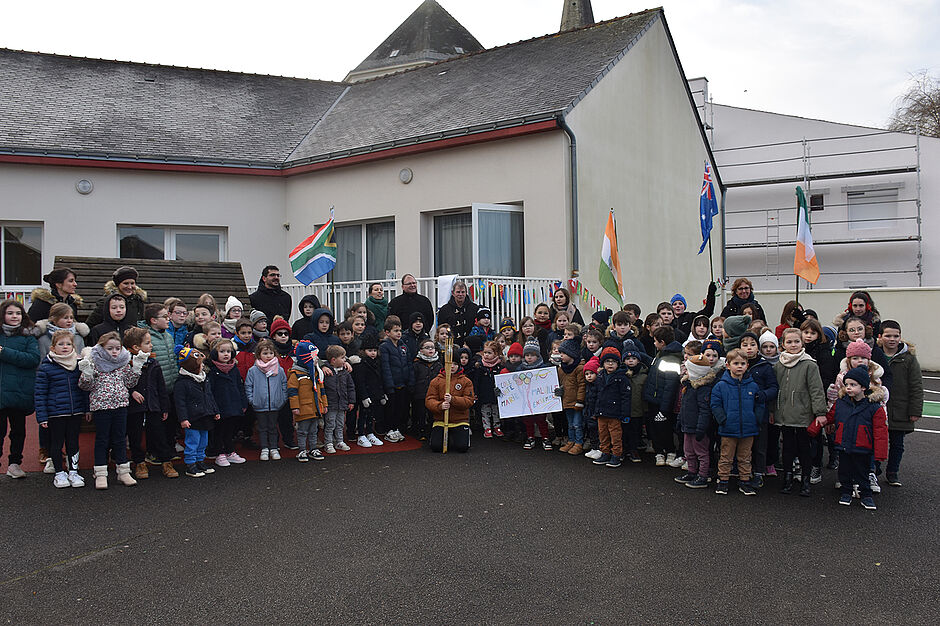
(707, 207)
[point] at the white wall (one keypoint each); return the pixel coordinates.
(640, 151)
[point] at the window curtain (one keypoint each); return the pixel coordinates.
(348, 253)
(380, 249)
(502, 249)
(453, 244)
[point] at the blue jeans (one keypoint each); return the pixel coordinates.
(575, 425)
(195, 445)
(110, 435)
(895, 450)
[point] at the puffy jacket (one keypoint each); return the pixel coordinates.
(801, 397)
(18, 361)
(322, 340)
(484, 383)
(164, 351)
(135, 307)
(228, 390)
(57, 392)
(367, 375)
(637, 378)
(304, 326)
(762, 371)
(109, 390)
(462, 398)
(612, 395)
(396, 369)
(153, 388)
(42, 299)
(573, 385)
(736, 405)
(907, 390)
(662, 382)
(425, 371)
(178, 335)
(683, 323)
(412, 341)
(877, 355)
(266, 393)
(43, 331)
(312, 403)
(695, 412)
(823, 353)
(340, 390)
(194, 402)
(861, 427)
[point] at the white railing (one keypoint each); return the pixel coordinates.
(504, 296)
(17, 292)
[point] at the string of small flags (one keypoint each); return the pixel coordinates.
(516, 294)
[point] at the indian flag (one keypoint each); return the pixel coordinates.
(316, 255)
(609, 273)
(804, 262)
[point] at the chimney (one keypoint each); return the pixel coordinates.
(577, 13)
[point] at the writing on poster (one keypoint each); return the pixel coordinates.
(529, 392)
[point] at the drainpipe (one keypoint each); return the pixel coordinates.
(573, 148)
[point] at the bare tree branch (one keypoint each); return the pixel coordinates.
(919, 107)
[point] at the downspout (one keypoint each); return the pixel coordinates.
(573, 164)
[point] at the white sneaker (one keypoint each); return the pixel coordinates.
(265, 454)
(375, 441)
(75, 479)
(363, 442)
(875, 487)
(15, 471)
(676, 462)
(685, 465)
(222, 460)
(275, 454)
(179, 448)
(329, 449)
(61, 480)
(670, 459)
(342, 446)
(660, 460)
(302, 456)
(390, 436)
(49, 468)
(594, 454)
(234, 458)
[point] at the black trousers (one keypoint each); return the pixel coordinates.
(396, 409)
(135, 435)
(796, 444)
(631, 434)
(853, 470)
(458, 439)
(64, 430)
(222, 436)
(17, 420)
(663, 431)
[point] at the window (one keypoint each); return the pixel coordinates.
(453, 244)
(487, 240)
(816, 202)
(172, 243)
(21, 254)
(872, 208)
(365, 251)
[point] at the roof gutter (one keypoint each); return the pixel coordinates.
(573, 188)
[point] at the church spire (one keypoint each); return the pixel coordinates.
(577, 13)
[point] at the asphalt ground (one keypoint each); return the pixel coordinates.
(498, 535)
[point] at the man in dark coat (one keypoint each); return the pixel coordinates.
(410, 301)
(460, 312)
(270, 299)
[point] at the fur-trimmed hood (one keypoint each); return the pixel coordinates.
(111, 288)
(45, 295)
(81, 328)
(707, 379)
(877, 394)
(875, 371)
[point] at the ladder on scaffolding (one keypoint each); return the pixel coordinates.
(772, 251)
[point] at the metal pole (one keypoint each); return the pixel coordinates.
(920, 240)
(448, 361)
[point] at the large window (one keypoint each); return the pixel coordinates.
(453, 244)
(487, 240)
(21, 254)
(365, 251)
(873, 208)
(171, 243)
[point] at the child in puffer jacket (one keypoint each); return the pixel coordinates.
(196, 410)
(266, 388)
(737, 406)
(485, 366)
(427, 365)
(695, 417)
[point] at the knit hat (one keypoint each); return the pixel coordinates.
(630, 348)
(678, 298)
(592, 365)
(505, 323)
(123, 273)
(736, 325)
(697, 366)
(515, 349)
(279, 324)
(531, 347)
(414, 317)
(184, 352)
(368, 341)
(474, 343)
(608, 354)
(602, 317)
(484, 313)
(750, 334)
(860, 375)
(463, 351)
(572, 348)
(231, 303)
(810, 313)
(256, 316)
(308, 355)
(858, 348)
(712, 344)
(768, 337)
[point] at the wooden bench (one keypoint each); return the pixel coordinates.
(160, 279)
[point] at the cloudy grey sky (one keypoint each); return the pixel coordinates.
(841, 60)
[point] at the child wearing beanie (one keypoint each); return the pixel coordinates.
(512, 427)
(612, 406)
(531, 360)
(571, 379)
(233, 312)
(592, 437)
(307, 399)
(196, 410)
(637, 372)
(695, 417)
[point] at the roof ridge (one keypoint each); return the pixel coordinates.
(174, 67)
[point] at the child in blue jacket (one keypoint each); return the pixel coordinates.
(398, 377)
(611, 402)
(737, 406)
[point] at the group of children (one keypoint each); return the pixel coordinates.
(720, 398)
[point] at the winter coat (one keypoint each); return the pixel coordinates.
(637, 378)
(164, 351)
(861, 426)
(322, 340)
(460, 317)
(43, 331)
(695, 412)
(271, 302)
(178, 335)
(403, 305)
(57, 393)
(312, 403)
(425, 371)
(340, 390)
(228, 390)
(462, 397)
(152, 387)
(735, 304)
(412, 341)
(762, 371)
(877, 355)
(683, 323)
(574, 315)
(18, 361)
(572, 383)
(109, 390)
(304, 325)
(907, 392)
(488, 334)
(194, 402)
(396, 368)
(823, 353)
(612, 395)
(484, 383)
(662, 382)
(736, 406)
(135, 308)
(42, 299)
(367, 375)
(109, 324)
(801, 397)
(266, 393)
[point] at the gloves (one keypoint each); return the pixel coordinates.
(87, 367)
(367, 402)
(559, 392)
(383, 400)
(138, 360)
(699, 435)
(498, 392)
(712, 288)
(578, 405)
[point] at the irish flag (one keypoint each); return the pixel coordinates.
(316, 255)
(610, 277)
(804, 262)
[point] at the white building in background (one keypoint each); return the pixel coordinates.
(874, 194)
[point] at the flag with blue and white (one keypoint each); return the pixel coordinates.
(707, 207)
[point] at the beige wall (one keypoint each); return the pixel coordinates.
(640, 151)
(250, 207)
(529, 170)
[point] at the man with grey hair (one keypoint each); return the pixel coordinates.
(460, 312)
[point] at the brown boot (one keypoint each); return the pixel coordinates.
(566, 447)
(576, 449)
(140, 471)
(169, 471)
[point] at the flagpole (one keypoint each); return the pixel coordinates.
(333, 271)
(797, 298)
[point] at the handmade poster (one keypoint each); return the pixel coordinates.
(528, 392)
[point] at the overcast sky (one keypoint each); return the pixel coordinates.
(841, 60)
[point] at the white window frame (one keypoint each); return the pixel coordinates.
(475, 209)
(169, 237)
(3, 245)
(361, 224)
(870, 194)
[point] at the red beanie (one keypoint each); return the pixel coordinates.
(858, 348)
(592, 365)
(279, 324)
(515, 349)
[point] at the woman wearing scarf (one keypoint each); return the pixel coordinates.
(561, 301)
